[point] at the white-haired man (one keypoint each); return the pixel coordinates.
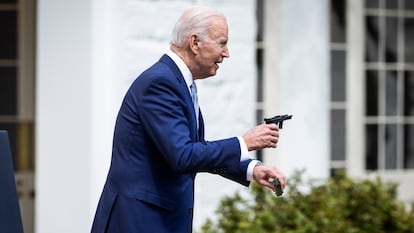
(159, 144)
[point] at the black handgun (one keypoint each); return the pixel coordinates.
(278, 120)
(278, 187)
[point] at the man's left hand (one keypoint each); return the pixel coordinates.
(262, 175)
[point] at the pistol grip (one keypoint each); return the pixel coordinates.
(278, 187)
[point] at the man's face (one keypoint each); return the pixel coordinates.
(213, 50)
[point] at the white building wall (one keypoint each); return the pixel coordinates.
(296, 73)
(88, 53)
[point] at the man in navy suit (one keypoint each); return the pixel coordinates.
(159, 143)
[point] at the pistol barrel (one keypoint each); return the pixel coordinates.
(278, 120)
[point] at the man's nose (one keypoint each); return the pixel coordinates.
(226, 52)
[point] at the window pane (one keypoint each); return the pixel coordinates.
(391, 147)
(391, 50)
(371, 93)
(409, 38)
(259, 116)
(338, 76)
(409, 5)
(409, 93)
(259, 19)
(259, 65)
(338, 135)
(259, 119)
(371, 39)
(391, 4)
(337, 171)
(391, 93)
(8, 32)
(8, 1)
(338, 21)
(8, 91)
(25, 141)
(371, 3)
(409, 146)
(371, 138)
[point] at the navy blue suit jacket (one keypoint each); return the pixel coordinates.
(157, 151)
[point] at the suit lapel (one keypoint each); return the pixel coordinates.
(184, 89)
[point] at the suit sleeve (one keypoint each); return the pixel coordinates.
(240, 175)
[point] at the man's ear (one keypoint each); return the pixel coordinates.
(194, 43)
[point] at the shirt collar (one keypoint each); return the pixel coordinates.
(185, 71)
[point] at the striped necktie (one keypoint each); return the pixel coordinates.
(193, 89)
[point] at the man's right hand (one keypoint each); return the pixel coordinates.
(262, 136)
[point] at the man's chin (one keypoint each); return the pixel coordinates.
(212, 72)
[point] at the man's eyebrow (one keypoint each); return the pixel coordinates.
(223, 40)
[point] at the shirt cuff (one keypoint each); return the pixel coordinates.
(243, 149)
(252, 164)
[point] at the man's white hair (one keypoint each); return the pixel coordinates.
(196, 19)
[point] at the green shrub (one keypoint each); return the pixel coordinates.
(339, 205)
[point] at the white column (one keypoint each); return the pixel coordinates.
(63, 114)
(297, 82)
(355, 89)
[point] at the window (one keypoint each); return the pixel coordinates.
(338, 84)
(17, 80)
(17, 25)
(389, 84)
(387, 115)
(259, 65)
